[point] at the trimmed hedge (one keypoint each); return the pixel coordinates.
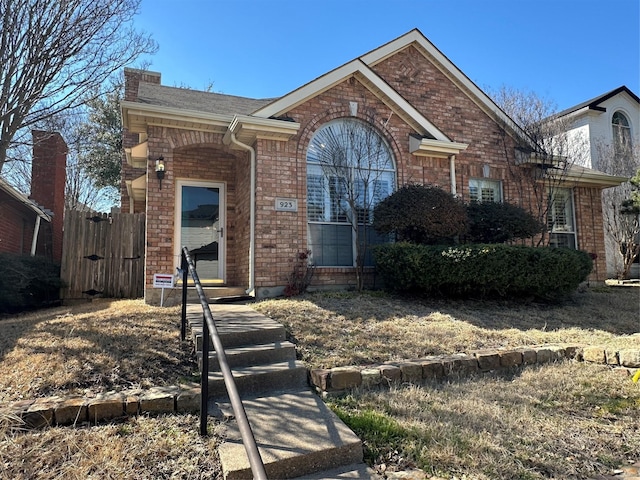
(27, 282)
(482, 270)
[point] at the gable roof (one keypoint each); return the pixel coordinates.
(361, 68)
(173, 106)
(371, 80)
(594, 103)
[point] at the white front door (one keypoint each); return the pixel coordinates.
(200, 222)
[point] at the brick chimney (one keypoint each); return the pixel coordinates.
(48, 176)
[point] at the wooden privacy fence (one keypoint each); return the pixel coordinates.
(102, 255)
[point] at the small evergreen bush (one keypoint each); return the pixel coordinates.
(482, 270)
(27, 282)
(423, 214)
(492, 222)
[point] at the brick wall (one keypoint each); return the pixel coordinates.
(16, 227)
(282, 165)
(200, 156)
(589, 225)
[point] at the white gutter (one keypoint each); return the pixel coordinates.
(452, 170)
(252, 233)
(34, 241)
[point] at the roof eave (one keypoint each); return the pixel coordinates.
(136, 116)
(247, 129)
(427, 147)
(24, 200)
(593, 179)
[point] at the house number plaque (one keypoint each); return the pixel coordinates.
(286, 204)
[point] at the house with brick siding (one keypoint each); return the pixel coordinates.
(238, 179)
(32, 225)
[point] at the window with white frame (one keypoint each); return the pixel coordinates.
(621, 134)
(349, 170)
(485, 190)
(561, 219)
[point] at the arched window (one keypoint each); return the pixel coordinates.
(621, 134)
(350, 169)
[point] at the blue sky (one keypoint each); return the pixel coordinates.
(565, 50)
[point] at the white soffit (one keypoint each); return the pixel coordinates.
(137, 116)
(137, 155)
(582, 176)
(137, 188)
(428, 147)
(248, 128)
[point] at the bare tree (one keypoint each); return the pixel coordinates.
(54, 54)
(82, 192)
(539, 170)
(357, 173)
(621, 206)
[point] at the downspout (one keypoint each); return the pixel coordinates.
(452, 170)
(252, 209)
(34, 241)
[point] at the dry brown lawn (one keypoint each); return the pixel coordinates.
(565, 421)
(140, 448)
(89, 348)
(338, 329)
(555, 421)
(561, 421)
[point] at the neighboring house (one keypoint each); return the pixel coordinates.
(242, 177)
(33, 225)
(607, 129)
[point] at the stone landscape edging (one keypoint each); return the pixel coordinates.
(340, 380)
(74, 410)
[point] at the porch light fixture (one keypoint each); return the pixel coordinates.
(160, 170)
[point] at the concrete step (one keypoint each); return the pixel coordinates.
(297, 435)
(246, 355)
(237, 325)
(258, 379)
(212, 292)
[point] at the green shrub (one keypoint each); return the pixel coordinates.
(27, 282)
(482, 270)
(423, 214)
(492, 222)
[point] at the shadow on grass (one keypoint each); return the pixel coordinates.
(16, 326)
(96, 350)
(609, 309)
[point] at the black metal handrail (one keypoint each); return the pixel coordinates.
(209, 330)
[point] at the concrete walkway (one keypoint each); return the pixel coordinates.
(297, 435)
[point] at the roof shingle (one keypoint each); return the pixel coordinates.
(187, 99)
